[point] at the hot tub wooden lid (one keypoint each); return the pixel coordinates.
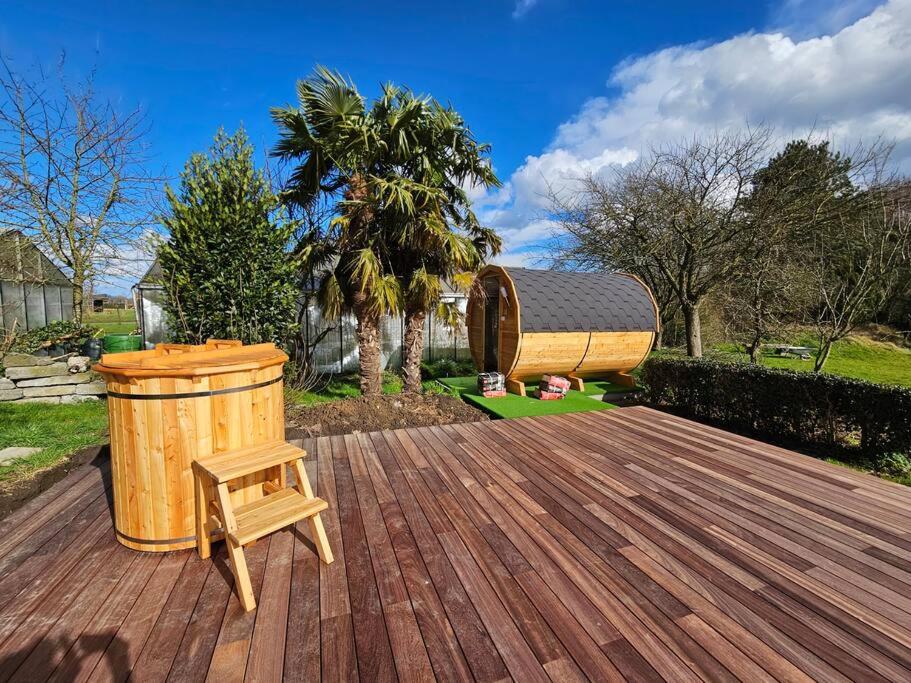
(188, 360)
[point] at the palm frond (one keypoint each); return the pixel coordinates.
(449, 314)
(463, 281)
(330, 297)
(386, 296)
(424, 289)
(365, 270)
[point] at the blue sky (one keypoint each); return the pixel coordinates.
(556, 86)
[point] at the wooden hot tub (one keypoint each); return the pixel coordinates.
(172, 405)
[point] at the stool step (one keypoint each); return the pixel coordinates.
(277, 510)
(238, 463)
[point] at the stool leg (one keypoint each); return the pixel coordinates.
(316, 524)
(235, 552)
(203, 543)
(303, 482)
(241, 576)
(320, 539)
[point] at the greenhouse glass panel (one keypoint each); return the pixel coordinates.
(34, 306)
(66, 296)
(13, 306)
(53, 305)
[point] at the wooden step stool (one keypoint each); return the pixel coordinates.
(245, 524)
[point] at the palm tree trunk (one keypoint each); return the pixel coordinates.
(414, 349)
(368, 346)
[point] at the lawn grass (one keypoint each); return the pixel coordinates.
(867, 469)
(59, 430)
(113, 320)
(512, 405)
(857, 357)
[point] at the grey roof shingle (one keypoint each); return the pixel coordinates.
(559, 301)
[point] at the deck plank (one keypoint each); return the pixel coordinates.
(371, 634)
(232, 648)
(467, 650)
(267, 648)
(623, 544)
(164, 640)
(194, 655)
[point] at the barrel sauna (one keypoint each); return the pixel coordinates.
(176, 403)
(526, 323)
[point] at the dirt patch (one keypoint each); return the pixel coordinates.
(14, 493)
(373, 413)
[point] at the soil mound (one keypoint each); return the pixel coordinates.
(373, 413)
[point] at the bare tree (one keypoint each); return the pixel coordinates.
(582, 242)
(801, 187)
(677, 216)
(72, 173)
(855, 261)
(769, 295)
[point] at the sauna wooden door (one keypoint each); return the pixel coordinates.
(491, 323)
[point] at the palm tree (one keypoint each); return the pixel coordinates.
(348, 153)
(397, 171)
(442, 240)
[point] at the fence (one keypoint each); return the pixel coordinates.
(335, 342)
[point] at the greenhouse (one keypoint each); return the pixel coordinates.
(33, 291)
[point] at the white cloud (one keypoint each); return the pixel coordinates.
(853, 83)
(522, 8)
(517, 259)
(556, 171)
(528, 233)
(808, 18)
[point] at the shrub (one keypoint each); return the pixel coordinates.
(227, 270)
(895, 465)
(446, 367)
(68, 335)
(861, 418)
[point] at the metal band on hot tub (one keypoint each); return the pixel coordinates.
(195, 394)
(215, 534)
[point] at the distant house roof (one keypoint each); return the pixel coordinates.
(22, 261)
(559, 301)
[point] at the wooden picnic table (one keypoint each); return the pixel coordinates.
(803, 352)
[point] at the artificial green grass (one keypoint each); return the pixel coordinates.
(59, 430)
(856, 357)
(512, 405)
(595, 387)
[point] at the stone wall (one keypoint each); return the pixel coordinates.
(37, 379)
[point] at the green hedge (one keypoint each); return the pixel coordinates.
(818, 410)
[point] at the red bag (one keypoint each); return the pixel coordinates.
(556, 381)
(548, 395)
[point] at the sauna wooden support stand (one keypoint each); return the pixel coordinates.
(245, 524)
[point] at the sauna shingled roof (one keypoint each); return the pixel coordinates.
(559, 301)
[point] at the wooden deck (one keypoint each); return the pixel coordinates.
(607, 545)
